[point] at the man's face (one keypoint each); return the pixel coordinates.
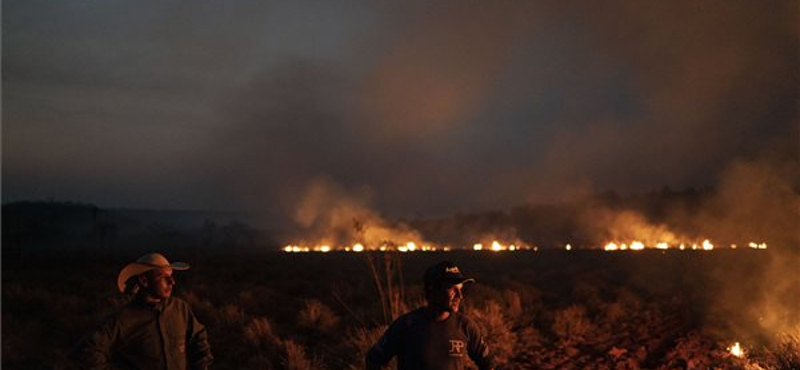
(446, 297)
(158, 283)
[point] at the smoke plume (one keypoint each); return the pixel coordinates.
(329, 215)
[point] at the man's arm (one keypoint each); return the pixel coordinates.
(198, 351)
(384, 349)
(93, 352)
(477, 348)
(379, 354)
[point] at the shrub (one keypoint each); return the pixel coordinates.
(497, 330)
(571, 324)
(230, 314)
(690, 352)
(295, 358)
(318, 316)
(528, 340)
(358, 341)
(613, 312)
(630, 301)
(258, 332)
(256, 299)
(513, 304)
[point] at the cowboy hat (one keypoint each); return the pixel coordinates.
(146, 263)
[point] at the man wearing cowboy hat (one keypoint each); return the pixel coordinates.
(153, 331)
(436, 336)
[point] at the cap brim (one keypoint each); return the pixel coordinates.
(463, 280)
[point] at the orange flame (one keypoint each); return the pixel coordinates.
(736, 350)
(500, 246)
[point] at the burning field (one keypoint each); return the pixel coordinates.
(668, 280)
(665, 280)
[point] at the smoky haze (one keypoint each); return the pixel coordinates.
(465, 107)
(432, 109)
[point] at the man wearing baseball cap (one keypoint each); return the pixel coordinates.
(436, 336)
(153, 331)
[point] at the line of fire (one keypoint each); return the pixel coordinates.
(497, 246)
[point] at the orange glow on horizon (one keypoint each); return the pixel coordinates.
(499, 246)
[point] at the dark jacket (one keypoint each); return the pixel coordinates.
(143, 336)
(420, 343)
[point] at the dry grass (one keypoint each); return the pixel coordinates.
(497, 329)
(572, 325)
(258, 332)
(358, 341)
(295, 357)
(259, 318)
(786, 354)
(316, 315)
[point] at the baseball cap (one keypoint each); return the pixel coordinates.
(445, 272)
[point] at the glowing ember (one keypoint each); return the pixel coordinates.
(637, 246)
(568, 247)
(707, 246)
(662, 246)
(358, 248)
(611, 247)
(477, 247)
(736, 350)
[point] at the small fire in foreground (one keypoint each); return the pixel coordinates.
(736, 350)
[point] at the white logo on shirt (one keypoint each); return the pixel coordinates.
(456, 348)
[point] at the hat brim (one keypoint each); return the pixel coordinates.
(461, 280)
(136, 268)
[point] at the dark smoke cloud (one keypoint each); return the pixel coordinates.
(708, 83)
(464, 106)
(435, 108)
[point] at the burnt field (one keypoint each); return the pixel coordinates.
(539, 310)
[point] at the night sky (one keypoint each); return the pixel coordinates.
(413, 108)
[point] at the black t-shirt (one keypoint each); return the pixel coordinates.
(420, 343)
